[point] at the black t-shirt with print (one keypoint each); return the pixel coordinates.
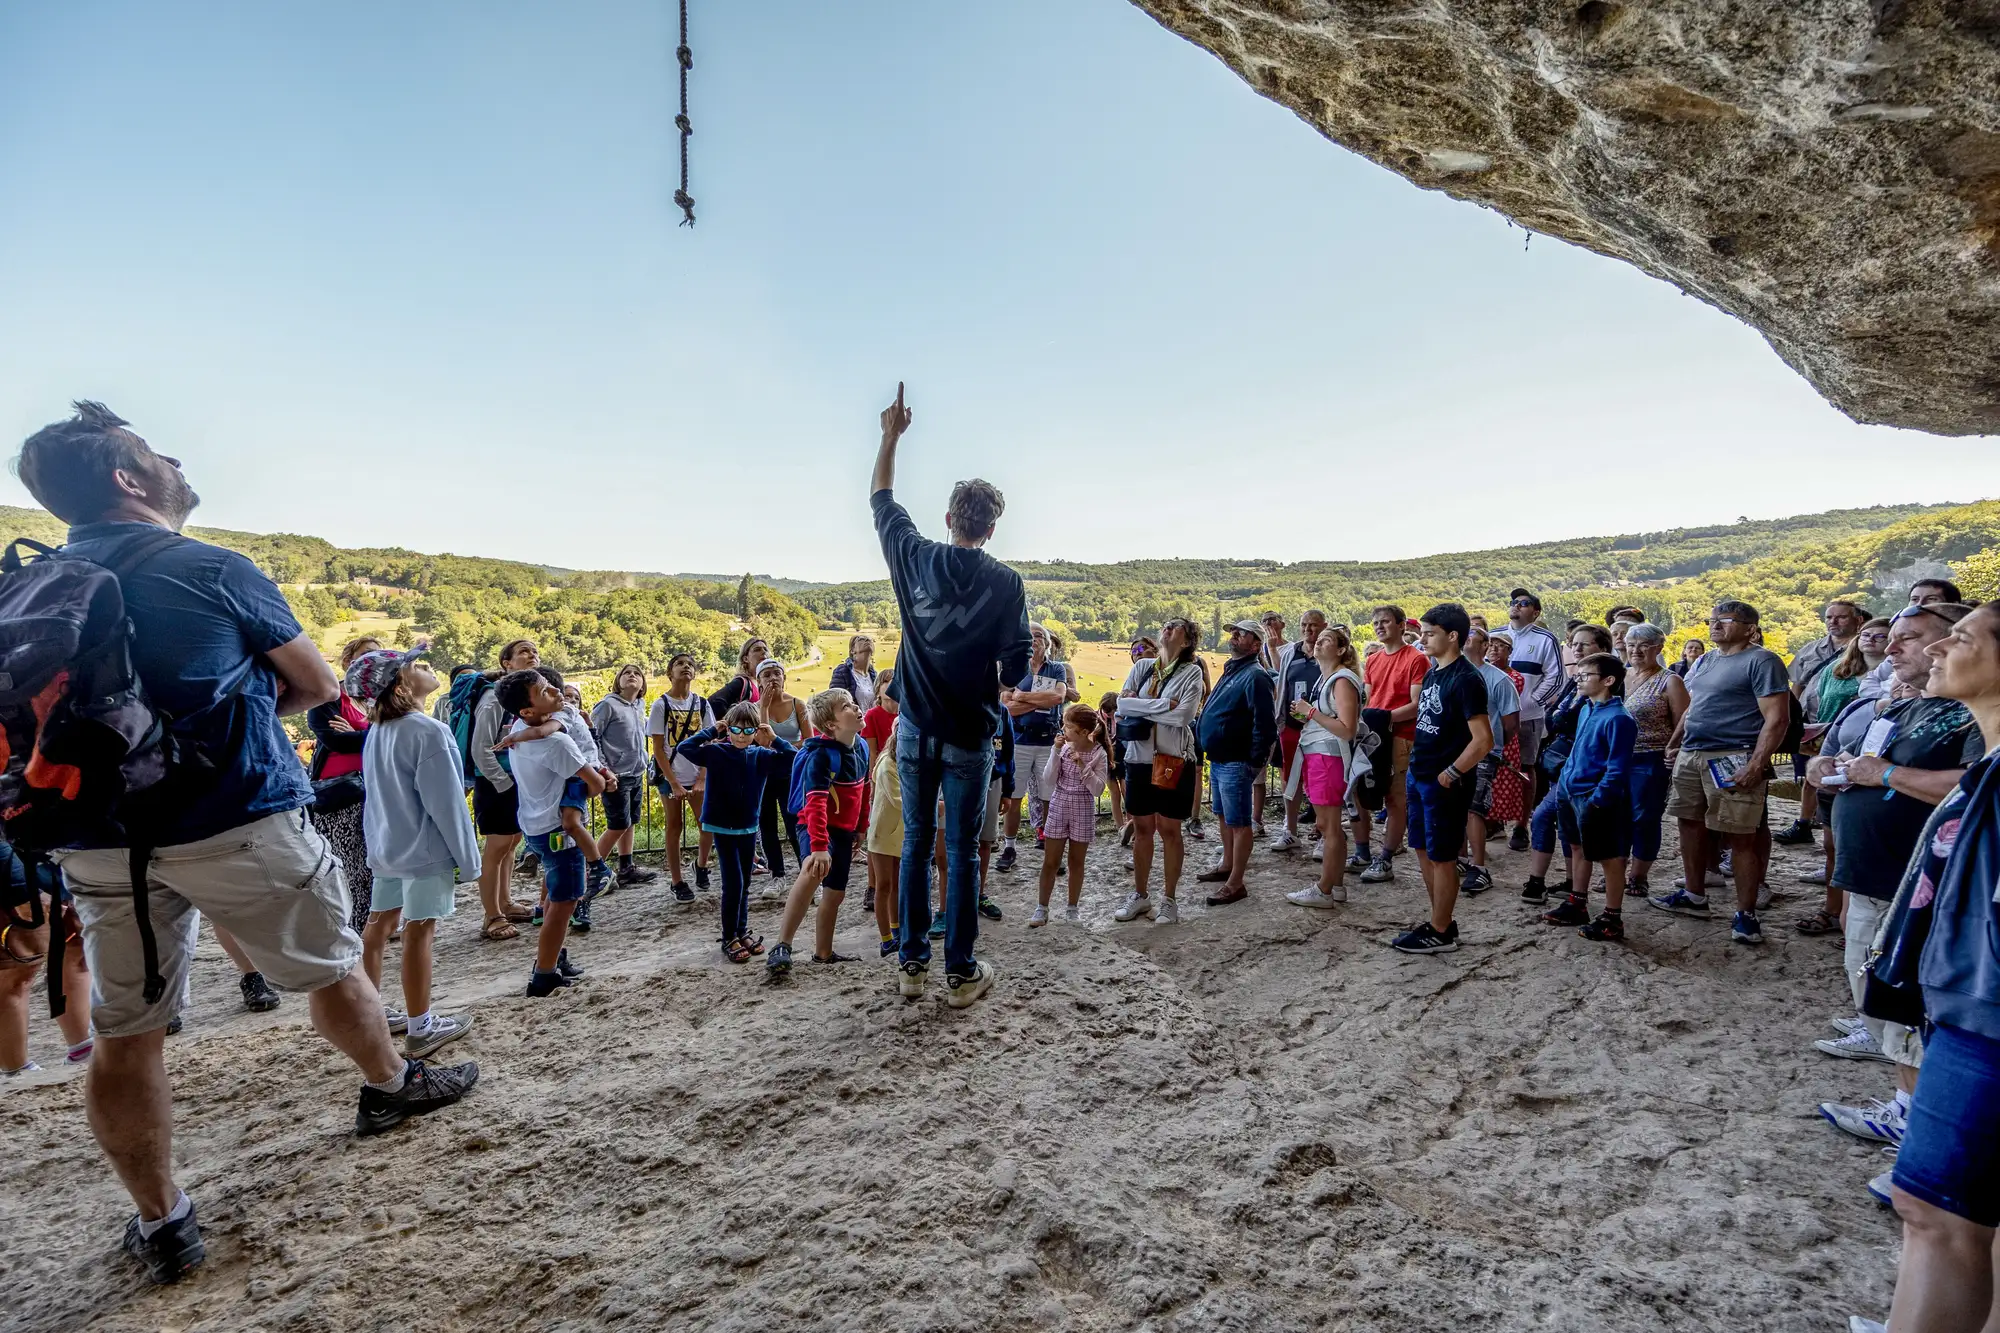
(1875, 830)
(1451, 697)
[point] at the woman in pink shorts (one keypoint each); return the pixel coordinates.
(1324, 764)
(1074, 773)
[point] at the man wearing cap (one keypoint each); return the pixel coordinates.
(1538, 657)
(1239, 725)
(221, 655)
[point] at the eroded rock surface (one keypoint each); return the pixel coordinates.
(1826, 170)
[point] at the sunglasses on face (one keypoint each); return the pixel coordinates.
(743, 731)
(1721, 620)
(1520, 601)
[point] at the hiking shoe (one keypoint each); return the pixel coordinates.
(913, 979)
(399, 1022)
(1310, 896)
(1282, 841)
(1856, 1045)
(1135, 906)
(596, 879)
(579, 919)
(1378, 872)
(1167, 913)
(258, 997)
(1681, 903)
(780, 960)
(1008, 856)
(543, 984)
(171, 1252)
(1535, 890)
(1038, 917)
(1357, 861)
(1877, 1122)
(1518, 840)
(682, 893)
(565, 966)
(536, 919)
(631, 875)
(445, 1028)
(835, 957)
(1744, 929)
(425, 1088)
(1474, 880)
(961, 991)
(701, 878)
(1608, 928)
(988, 908)
(1797, 834)
(1879, 1188)
(1571, 911)
(1425, 938)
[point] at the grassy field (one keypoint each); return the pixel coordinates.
(391, 630)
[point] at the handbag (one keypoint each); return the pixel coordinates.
(1133, 729)
(1890, 990)
(332, 795)
(1168, 770)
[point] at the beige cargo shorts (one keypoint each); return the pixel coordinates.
(273, 883)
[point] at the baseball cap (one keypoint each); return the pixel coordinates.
(373, 674)
(1247, 626)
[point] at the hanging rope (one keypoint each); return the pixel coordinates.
(682, 198)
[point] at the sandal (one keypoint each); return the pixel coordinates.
(736, 951)
(520, 916)
(1821, 922)
(754, 943)
(498, 928)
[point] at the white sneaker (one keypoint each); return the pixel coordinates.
(399, 1022)
(1135, 906)
(1764, 896)
(29, 1068)
(1282, 841)
(1879, 1187)
(444, 1028)
(1856, 1045)
(1073, 913)
(1877, 1122)
(1256, 829)
(912, 980)
(1856, 1324)
(1814, 876)
(1312, 897)
(1319, 851)
(965, 991)
(1168, 913)
(1711, 881)
(774, 892)
(1130, 865)
(1038, 917)
(1846, 1025)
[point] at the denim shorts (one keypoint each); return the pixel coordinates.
(1950, 1156)
(575, 795)
(1229, 792)
(562, 866)
(1437, 816)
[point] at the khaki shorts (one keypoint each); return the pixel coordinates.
(989, 831)
(1399, 758)
(1865, 916)
(1735, 810)
(274, 884)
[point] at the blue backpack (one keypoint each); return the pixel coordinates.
(814, 756)
(466, 692)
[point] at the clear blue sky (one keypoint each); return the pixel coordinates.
(409, 274)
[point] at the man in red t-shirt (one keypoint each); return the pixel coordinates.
(1394, 675)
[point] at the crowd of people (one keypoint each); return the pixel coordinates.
(1431, 736)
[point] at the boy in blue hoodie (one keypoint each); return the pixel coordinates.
(1594, 800)
(830, 786)
(741, 754)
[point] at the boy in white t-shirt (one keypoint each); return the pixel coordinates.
(678, 714)
(575, 801)
(542, 769)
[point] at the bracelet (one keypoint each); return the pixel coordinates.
(1888, 792)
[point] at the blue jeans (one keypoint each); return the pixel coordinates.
(1542, 826)
(927, 768)
(1652, 780)
(1229, 792)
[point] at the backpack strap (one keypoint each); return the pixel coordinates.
(149, 947)
(11, 562)
(136, 552)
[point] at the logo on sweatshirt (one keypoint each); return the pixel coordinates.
(940, 620)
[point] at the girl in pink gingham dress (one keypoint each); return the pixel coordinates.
(1077, 770)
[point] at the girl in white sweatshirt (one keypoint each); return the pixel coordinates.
(418, 834)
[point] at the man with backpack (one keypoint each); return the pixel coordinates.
(478, 723)
(224, 833)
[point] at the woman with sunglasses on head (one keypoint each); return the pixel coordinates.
(741, 687)
(1946, 1180)
(1156, 712)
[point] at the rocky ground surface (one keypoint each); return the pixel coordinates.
(1263, 1118)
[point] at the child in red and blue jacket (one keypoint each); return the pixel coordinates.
(830, 793)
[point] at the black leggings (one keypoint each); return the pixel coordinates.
(734, 851)
(777, 794)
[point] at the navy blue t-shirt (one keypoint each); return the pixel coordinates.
(202, 620)
(1042, 726)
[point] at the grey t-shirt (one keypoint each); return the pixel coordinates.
(1724, 713)
(621, 734)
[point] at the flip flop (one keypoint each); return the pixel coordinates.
(498, 928)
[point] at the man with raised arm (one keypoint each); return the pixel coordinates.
(965, 629)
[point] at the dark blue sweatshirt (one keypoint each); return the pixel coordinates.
(1599, 769)
(963, 612)
(1239, 722)
(734, 793)
(1960, 968)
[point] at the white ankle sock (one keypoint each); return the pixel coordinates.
(1902, 1101)
(182, 1207)
(420, 1023)
(395, 1084)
